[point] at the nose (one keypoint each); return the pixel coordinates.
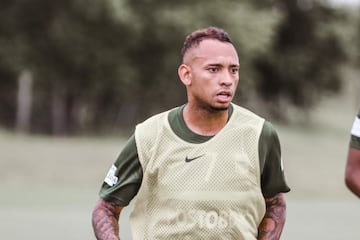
(227, 79)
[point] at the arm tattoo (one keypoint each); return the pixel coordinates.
(105, 220)
(273, 222)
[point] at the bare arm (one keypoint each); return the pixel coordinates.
(105, 220)
(352, 172)
(273, 222)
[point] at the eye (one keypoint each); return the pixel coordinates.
(234, 70)
(213, 69)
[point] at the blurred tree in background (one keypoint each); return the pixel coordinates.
(305, 57)
(75, 66)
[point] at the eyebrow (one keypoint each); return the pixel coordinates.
(220, 65)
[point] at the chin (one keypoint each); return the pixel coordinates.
(219, 108)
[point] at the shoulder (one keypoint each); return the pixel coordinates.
(245, 112)
(268, 130)
(152, 127)
(269, 140)
(355, 133)
(152, 123)
(154, 118)
(245, 116)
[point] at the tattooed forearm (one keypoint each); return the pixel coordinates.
(105, 220)
(273, 222)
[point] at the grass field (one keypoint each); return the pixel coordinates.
(49, 185)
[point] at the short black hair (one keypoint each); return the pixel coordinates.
(194, 38)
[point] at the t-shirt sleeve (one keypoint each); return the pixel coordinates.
(123, 180)
(355, 133)
(271, 164)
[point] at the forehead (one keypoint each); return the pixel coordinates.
(213, 50)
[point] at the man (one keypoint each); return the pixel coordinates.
(206, 170)
(352, 173)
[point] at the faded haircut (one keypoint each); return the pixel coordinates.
(194, 38)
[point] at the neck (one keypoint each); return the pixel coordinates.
(206, 122)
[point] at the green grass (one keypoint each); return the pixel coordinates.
(49, 185)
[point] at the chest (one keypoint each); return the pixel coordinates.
(222, 164)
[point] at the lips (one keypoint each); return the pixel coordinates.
(227, 93)
(224, 95)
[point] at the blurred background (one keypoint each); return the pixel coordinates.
(77, 76)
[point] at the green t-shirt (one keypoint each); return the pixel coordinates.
(355, 133)
(125, 176)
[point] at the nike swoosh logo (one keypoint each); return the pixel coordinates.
(192, 159)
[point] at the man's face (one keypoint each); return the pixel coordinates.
(213, 74)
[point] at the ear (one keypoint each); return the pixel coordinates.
(184, 72)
